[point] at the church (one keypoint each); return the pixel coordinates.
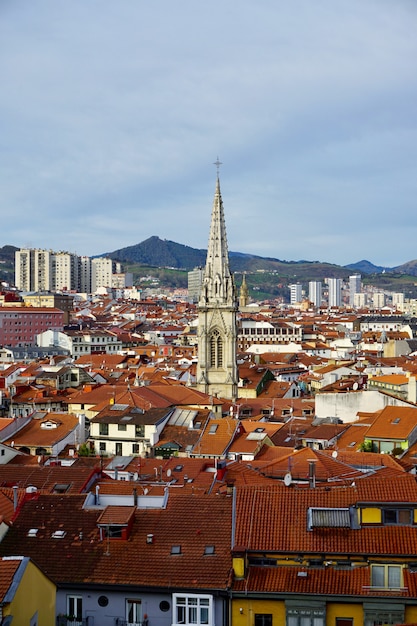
(217, 372)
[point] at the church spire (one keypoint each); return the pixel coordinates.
(218, 286)
(217, 372)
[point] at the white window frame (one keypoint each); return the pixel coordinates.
(193, 607)
(133, 605)
(75, 607)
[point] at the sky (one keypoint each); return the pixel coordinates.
(113, 113)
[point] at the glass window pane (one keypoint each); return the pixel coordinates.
(394, 576)
(378, 576)
(192, 615)
(204, 616)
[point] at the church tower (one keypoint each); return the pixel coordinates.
(243, 293)
(217, 372)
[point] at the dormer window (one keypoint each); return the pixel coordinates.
(397, 516)
(49, 425)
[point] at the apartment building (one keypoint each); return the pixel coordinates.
(44, 270)
(315, 292)
(19, 326)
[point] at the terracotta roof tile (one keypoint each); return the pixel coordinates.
(191, 521)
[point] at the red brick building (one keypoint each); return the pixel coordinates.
(20, 325)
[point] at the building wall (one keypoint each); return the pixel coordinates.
(20, 325)
(35, 594)
(346, 406)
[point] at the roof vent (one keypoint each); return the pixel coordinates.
(32, 532)
(149, 538)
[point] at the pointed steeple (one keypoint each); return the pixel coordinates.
(243, 293)
(217, 372)
(218, 286)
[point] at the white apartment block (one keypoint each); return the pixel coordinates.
(85, 274)
(335, 291)
(355, 286)
(398, 301)
(33, 270)
(101, 273)
(44, 270)
(296, 293)
(65, 274)
(360, 300)
(195, 282)
(81, 342)
(315, 292)
(379, 300)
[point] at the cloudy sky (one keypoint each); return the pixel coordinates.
(113, 112)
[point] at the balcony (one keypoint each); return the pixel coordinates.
(69, 620)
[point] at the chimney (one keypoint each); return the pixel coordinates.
(15, 498)
(135, 497)
(312, 474)
(97, 502)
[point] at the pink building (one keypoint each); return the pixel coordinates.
(20, 325)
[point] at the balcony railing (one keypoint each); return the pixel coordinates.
(65, 620)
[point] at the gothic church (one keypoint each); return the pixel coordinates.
(217, 372)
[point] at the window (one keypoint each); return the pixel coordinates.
(102, 446)
(104, 429)
(386, 576)
(175, 549)
(312, 615)
(122, 427)
(216, 349)
(263, 619)
(139, 430)
(344, 621)
(396, 516)
(135, 448)
(375, 614)
(75, 607)
(133, 612)
(192, 609)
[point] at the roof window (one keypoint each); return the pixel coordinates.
(175, 549)
(58, 534)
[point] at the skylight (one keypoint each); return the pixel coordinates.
(175, 549)
(58, 534)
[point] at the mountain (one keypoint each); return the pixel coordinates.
(164, 253)
(160, 253)
(366, 267)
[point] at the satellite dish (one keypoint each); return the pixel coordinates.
(334, 454)
(145, 491)
(169, 472)
(355, 386)
(287, 479)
